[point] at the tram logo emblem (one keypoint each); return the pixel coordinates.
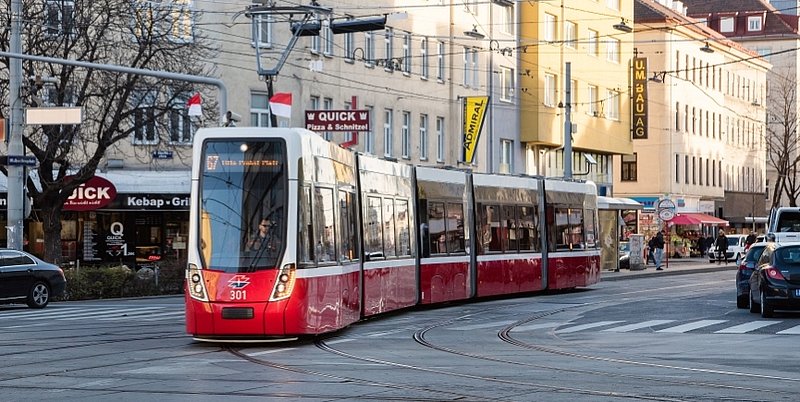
(239, 282)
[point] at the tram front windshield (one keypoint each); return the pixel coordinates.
(242, 204)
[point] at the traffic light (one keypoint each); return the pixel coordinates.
(358, 25)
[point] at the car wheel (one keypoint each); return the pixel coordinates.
(39, 295)
(741, 301)
(766, 309)
(753, 306)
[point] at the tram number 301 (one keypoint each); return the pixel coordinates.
(238, 295)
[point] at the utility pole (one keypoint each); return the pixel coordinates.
(568, 122)
(15, 193)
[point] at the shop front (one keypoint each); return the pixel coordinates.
(143, 221)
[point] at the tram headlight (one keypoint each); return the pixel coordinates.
(197, 289)
(284, 283)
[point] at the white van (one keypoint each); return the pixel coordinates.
(735, 251)
(784, 225)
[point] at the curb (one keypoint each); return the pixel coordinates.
(611, 276)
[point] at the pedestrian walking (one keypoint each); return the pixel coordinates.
(721, 247)
(658, 250)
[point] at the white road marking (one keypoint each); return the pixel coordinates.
(691, 326)
(640, 325)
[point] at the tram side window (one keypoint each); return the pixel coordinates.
(324, 221)
(508, 232)
(455, 228)
(403, 228)
(561, 224)
(373, 231)
(389, 241)
(436, 229)
(575, 234)
(304, 235)
(528, 229)
(347, 227)
(591, 229)
(489, 232)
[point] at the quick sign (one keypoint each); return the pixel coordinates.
(639, 98)
(337, 120)
(95, 193)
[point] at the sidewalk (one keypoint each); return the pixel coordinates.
(675, 266)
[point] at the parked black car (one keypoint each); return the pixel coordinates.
(624, 255)
(775, 283)
(25, 278)
(746, 268)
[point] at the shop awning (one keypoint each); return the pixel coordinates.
(689, 218)
(617, 203)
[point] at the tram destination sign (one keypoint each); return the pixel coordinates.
(337, 120)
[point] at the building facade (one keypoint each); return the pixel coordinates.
(705, 148)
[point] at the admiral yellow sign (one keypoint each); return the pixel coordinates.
(639, 98)
(474, 114)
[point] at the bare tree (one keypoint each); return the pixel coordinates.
(782, 147)
(116, 107)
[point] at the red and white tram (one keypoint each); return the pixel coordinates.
(292, 235)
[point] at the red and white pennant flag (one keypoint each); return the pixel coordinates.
(195, 108)
(281, 104)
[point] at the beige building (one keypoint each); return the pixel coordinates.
(772, 32)
(705, 149)
(594, 40)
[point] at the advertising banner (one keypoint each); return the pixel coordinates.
(474, 115)
(639, 117)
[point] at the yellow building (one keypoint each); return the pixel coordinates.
(594, 38)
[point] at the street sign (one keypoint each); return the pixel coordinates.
(18, 160)
(666, 209)
(337, 120)
(162, 154)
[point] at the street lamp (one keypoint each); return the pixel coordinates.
(707, 49)
(623, 27)
(474, 33)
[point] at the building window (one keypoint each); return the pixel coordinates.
(628, 169)
(439, 139)
(388, 47)
(612, 105)
(700, 170)
(506, 155)
(613, 4)
(467, 68)
(407, 53)
(144, 119)
(753, 23)
(369, 49)
(423, 137)
(592, 43)
(694, 170)
(612, 50)
(677, 116)
(550, 90)
(686, 169)
(591, 91)
(315, 40)
(369, 142)
(262, 31)
(259, 110)
(506, 84)
(677, 168)
(570, 34)
(60, 17)
(327, 104)
(440, 62)
(181, 21)
(405, 140)
(423, 50)
(349, 46)
(388, 116)
(181, 129)
(327, 38)
(727, 24)
(476, 78)
(507, 18)
(549, 27)
(315, 104)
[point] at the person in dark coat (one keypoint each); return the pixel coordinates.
(659, 250)
(702, 245)
(721, 247)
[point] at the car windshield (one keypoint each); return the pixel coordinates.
(733, 241)
(624, 246)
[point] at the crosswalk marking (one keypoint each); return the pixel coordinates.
(116, 313)
(691, 326)
(39, 313)
(61, 316)
(746, 327)
(791, 331)
(586, 326)
(640, 325)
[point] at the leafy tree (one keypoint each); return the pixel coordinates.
(782, 147)
(116, 107)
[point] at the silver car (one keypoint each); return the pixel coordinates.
(25, 278)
